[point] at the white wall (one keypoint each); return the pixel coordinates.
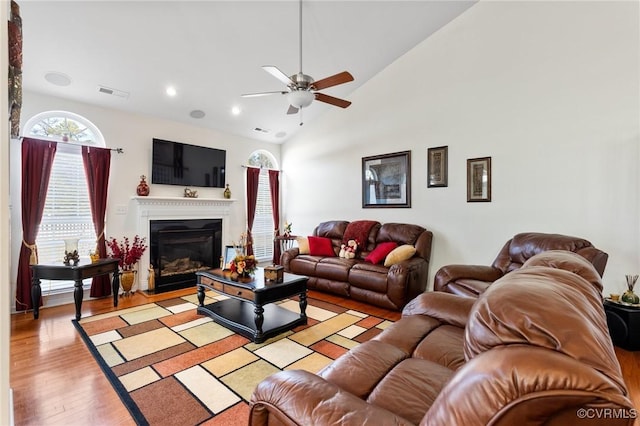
(134, 134)
(549, 90)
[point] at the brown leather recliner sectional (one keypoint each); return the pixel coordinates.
(472, 280)
(388, 287)
(453, 360)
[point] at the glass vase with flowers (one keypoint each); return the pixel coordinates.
(129, 252)
(243, 265)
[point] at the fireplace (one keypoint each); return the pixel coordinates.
(144, 210)
(181, 247)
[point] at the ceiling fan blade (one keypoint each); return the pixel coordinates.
(292, 110)
(334, 80)
(274, 71)
(331, 100)
(253, 95)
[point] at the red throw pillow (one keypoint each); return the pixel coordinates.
(320, 246)
(381, 251)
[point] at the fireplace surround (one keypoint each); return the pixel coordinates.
(144, 210)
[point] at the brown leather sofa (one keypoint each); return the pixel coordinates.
(388, 287)
(533, 349)
(472, 280)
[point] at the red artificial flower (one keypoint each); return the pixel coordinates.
(128, 253)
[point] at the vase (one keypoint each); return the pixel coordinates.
(143, 188)
(227, 192)
(629, 296)
(126, 281)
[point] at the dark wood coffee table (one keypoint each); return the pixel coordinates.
(250, 310)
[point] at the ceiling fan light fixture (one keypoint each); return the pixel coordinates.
(300, 98)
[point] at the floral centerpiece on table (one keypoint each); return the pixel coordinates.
(242, 264)
(129, 252)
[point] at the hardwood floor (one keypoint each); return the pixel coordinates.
(56, 381)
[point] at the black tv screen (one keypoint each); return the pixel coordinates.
(181, 164)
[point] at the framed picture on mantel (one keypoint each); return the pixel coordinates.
(386, 180)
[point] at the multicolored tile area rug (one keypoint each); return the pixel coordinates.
(171, 366)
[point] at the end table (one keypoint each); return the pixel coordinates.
(624, 325)
(75, 273)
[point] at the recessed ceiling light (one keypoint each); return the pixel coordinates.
(197, 113)
(236, 110)
(57, 78)
(171, 91)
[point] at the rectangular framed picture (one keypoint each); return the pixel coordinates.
(437, 171)
(479, 179)
(386, 180)
(229, 255)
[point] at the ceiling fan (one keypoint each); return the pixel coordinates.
(302, 89)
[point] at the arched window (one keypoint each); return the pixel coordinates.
(67, 212)
(263, 227)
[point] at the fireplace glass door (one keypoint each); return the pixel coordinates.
(180, 248)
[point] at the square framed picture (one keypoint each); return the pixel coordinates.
(386, 180)
(479, 179)
(437, 163)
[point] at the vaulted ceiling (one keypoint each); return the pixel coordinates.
(211, 52)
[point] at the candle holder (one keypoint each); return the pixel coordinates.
(71, 251)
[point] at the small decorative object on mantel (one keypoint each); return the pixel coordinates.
(129, 254)
(227, 192)
(190, 193)
(274, 273)
(629, 296)
(143, 188)
(71, 251)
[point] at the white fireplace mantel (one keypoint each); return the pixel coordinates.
(146, 209)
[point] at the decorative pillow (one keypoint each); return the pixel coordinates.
(381, 251)
(399, 254)
(303, 245)
(320, 246)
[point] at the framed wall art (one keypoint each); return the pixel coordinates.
(437, 171)
(386, 180)
(479, 179)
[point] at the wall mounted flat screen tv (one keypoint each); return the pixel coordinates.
(176, 163)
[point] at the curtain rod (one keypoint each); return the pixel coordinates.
(254, 167)
(117, 150)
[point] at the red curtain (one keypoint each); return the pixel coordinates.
(274, 187)
(37, 160)
(253, 179)
(96, 168)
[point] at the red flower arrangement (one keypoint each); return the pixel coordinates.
(128, 252)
